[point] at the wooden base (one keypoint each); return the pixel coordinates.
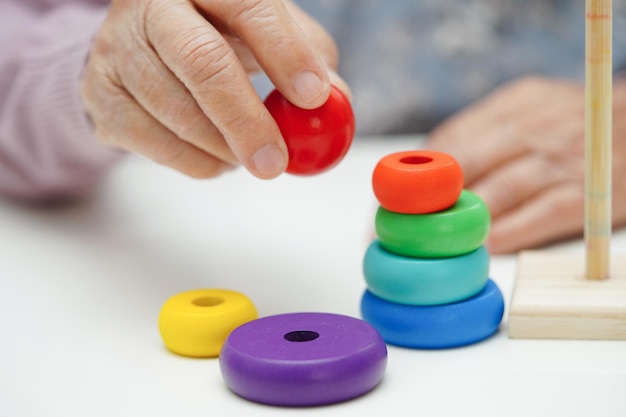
(553, 300)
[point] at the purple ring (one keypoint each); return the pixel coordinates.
(303, 359)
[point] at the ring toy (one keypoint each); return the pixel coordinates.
(303, 359)
(436, 327)
(417, 182)
(196, 323)
(458, 230)
(424, 281)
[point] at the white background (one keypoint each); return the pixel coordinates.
(81, 286)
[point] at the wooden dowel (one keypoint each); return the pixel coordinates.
(598, 136)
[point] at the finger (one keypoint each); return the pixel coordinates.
(130, 127)
(245, 56)
(324, 44)
(555, 213)
(557, 158)
(478, 155)
(482, 136)
(338, 82)
(319, 37)
(505, 103)
(206, 64)
(497, 106)
(619, 152)
(513, 183)
(497, 129)
(280, 46)
(167, 100)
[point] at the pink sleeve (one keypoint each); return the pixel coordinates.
(47, 147)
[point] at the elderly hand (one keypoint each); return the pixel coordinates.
(522, 151)
(169, 79)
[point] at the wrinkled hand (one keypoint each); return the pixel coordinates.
(522, 151)
(169, 79)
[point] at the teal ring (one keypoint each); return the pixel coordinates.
(458, 230)
(424, 281)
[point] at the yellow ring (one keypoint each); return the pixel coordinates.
(196, 323)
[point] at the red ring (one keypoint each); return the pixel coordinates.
(417, 182)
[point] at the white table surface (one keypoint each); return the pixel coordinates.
(82, 285)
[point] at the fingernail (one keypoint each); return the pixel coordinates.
(308, 86)
(269, 161)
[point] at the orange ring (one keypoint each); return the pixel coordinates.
(417, 182)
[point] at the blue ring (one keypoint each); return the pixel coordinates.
(436, 327)
(424, 281)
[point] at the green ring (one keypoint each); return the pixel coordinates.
(458, 230)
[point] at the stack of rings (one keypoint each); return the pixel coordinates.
(427, 273)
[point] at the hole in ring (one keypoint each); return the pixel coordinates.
(207, 301)
(416, 160)
(301, 336)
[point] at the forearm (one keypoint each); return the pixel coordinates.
(47, 147)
